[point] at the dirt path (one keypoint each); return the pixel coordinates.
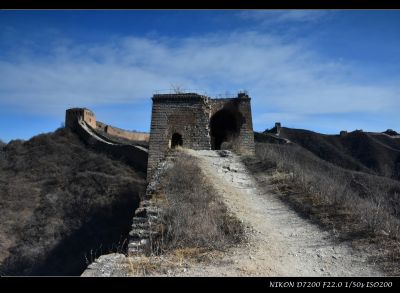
(281, 243)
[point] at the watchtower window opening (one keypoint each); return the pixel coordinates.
(224, 127)
(176, 140)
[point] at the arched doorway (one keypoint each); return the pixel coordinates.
(224, 127)
(176, 140)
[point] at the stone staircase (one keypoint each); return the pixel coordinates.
(146, 222)
(145, 225)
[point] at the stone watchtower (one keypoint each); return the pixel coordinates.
(74, 114)
(198, 122)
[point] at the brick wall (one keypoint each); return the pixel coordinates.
(133, 155)
(131, 135)
(189, 115)
(122, 133)
(186, 114)
(74, 114)
(240, 108)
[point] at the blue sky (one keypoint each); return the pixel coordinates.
(322, 70)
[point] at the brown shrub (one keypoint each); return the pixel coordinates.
(193, 214)
(372, 200)
(357, 206)
(61, 201)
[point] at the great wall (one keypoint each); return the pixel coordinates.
(217, 132)
(105, 138)
(189, 120)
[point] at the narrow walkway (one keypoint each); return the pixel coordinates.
(281, 242)
(93, 134)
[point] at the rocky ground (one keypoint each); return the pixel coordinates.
(280, 242)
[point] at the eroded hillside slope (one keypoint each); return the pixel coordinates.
(62, 204)
(374, 153)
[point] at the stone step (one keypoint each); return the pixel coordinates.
(138, 246)
(139, 233)
(140, 212)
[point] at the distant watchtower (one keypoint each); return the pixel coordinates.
(278, 128)
(198, 122)
(74, 114)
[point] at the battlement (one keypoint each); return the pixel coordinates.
(179, 97)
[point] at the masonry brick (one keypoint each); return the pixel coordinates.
(190, 115)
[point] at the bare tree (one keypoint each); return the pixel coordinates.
(177, 88)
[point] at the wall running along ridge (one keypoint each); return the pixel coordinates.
(190, 120)
(122, 133)
(134, 155)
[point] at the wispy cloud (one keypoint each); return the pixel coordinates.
(281, 77)
(267, 17)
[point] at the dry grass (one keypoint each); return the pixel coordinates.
(190, 253)
(193, 217)
(146, 265)
(194, 226)
(172, 261)
(359, 207)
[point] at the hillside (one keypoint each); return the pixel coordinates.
(62, 204)
(374, 153)
(336, 182)
(302, 215)
(199, 190)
